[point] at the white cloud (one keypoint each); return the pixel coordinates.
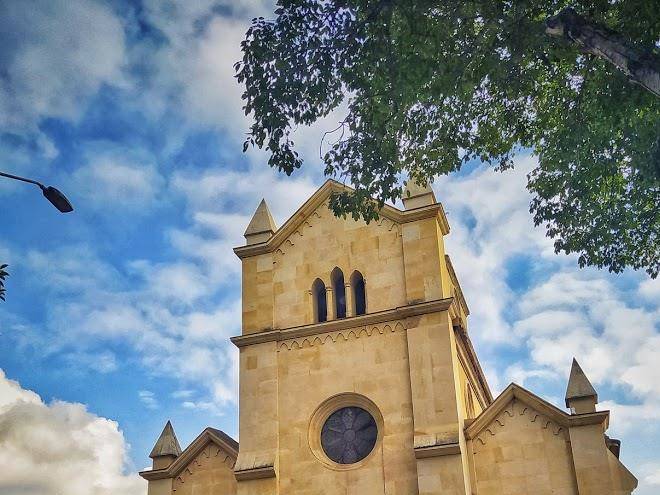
(650, 289)
(193, 71)
(652, 474)
(148, 398)
(151, 312)
(113, 181)
(72, 269)
(582, 314)
(49, 449)
(11, 393)
(217, 189)
(177, 282)
(220, 204)
(490, 224)
(567, 311)
(100, 362)
(210, 91)
(182, 394)
(55, 57)
(518, 373)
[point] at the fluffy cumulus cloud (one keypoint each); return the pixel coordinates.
(49, 449)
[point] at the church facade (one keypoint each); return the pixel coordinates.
(358, 377)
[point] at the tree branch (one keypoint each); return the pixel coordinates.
(642, 67)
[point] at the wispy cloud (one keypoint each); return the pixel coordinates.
(56, 55)
(118, 181)
(148, 398)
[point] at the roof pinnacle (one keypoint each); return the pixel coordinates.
(167, 444)
(262, 226)
(416, 195)
(579, 386)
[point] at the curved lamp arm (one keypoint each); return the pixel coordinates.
(57, 198)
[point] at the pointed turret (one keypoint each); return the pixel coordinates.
(167, 448)
(581, 397)
(262, 226)
(416, 196)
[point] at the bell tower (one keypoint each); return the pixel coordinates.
(357, 375)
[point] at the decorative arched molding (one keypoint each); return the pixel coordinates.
(319, 198)
(340, 336)
(298, 233)
(389, 224)
(202, 461)
(516, 408)
(290, 241)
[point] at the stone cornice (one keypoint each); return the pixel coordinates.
(454, 280)
(475, 366)
(330, 186)
(437, 450)
(255, 473)
(399, 313)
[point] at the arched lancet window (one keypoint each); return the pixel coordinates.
(320, 303)
(359, 294)
(339, 290)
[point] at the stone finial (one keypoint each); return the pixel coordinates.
(581, 397)
(167, 448)
(416, 196)
(262, 226)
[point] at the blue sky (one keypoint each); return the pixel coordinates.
(118, 315)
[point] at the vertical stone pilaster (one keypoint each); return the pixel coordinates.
(257, 293)
(422, 248)
(438, 434)
(330, 301)
(258, 422)
(592, 468)
(309, 303)
(160, 487)
(350, 310)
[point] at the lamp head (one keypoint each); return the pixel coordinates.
(58, 199)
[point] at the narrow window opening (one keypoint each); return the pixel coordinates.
(320, 303)
(339, 290)
(359, 294)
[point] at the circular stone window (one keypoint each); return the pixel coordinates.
(345, 430)
(349, 435)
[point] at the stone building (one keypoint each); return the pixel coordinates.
(358, 377)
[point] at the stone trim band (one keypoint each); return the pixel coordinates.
(399, 313)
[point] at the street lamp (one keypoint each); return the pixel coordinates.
(58, 199)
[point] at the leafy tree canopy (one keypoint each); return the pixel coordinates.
(431, 84)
